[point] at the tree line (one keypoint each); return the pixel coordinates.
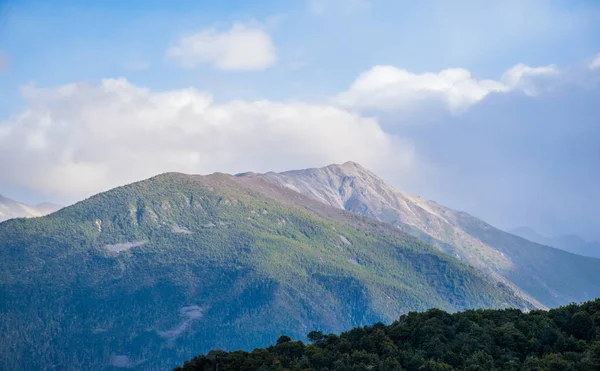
(562, 339)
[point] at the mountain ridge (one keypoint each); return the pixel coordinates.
(10, 209)
(570, 243)
(525, 265)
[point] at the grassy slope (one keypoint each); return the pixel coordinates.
(258, 261)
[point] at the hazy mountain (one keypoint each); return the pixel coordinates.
(155, 272)
(12, 209)
(570, 243)
(551, 276)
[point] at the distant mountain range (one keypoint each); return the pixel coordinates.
(152, 273)
(12, 209)
(571, 243)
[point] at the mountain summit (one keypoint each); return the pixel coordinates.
(534, 271)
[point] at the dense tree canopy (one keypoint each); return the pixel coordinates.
(566, 338)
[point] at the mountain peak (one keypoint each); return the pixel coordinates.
(352, 164)
(347, 166)
(331, 172)
(347, 186)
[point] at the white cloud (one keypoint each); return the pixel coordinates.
(79, 139)
(595, 62)
(524, 78)
(388, 88)
(244, 47)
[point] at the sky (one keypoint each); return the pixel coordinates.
(487, 107)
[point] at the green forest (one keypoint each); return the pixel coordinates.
(567, 338)
(150, 274)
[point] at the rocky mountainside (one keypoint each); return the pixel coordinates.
(550, 276)
(149, 274)
(570, 243)
(12, 209)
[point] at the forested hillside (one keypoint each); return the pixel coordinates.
(149, 274)
(563, 339)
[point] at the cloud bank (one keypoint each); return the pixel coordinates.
(79, 139)
(388, 88)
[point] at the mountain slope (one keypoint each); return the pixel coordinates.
(12, 209)
(571, 243)
(152, 273)
(551, 276)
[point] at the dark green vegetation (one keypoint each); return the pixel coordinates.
(564, 339)
(150, 274)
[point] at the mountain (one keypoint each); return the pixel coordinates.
(12, 209)
(149, 274)
(550, 276)
(570, 243)
(560, 339)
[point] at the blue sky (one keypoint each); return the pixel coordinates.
(317, 81)
(63, 41)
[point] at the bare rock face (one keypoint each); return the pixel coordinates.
(123, 246)
(351, 187)
(10, 209)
